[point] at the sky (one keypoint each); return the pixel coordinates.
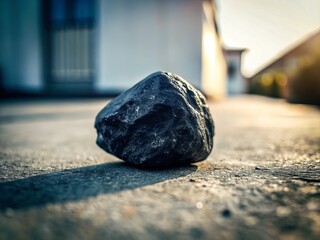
(267, 28)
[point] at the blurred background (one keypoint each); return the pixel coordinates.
(102, 47)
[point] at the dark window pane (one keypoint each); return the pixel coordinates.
(71, 12)
(83, 10)
(58, 11)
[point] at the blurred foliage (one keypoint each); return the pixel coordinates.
(304, 85)
(298, 84)
(269, 84)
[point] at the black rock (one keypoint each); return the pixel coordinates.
(161, 121)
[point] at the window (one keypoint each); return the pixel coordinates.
(71, 26)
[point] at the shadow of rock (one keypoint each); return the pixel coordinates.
(82, 183)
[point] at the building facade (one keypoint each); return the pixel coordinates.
(77, 47)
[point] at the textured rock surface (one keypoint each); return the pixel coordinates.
(161, 121)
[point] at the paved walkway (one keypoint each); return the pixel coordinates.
(261, 182)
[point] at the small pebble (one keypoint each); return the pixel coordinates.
(283, 211)
(199, 205)
(226, 213)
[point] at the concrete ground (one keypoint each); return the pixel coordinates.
(261, 182)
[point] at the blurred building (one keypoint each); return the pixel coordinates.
(81, 47)
(294, 75)
(236, 83)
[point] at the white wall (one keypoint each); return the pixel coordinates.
(137, 38)
(213, 62)
(20, 45)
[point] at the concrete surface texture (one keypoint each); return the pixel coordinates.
(262, 180)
